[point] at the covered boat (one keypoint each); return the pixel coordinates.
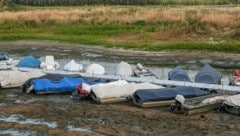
(63, 85)
(118, 92)
(49, 63)
(73, 66)
(124, 69)
(208, 75)
(95, 69)
(178, 74)
(28, 85)
(3, 56)
(13, 78)
(29, 62)
(232, 104)
(164, 96)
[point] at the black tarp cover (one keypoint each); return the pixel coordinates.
(208, 75)
(146, 95)
(53, 77)
(178, 74)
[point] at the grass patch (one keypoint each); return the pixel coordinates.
(142, 28)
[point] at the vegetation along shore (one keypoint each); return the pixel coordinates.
(149, 28)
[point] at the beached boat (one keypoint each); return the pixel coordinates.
(29, 62)
(203, 104)
(13, 78)
(178, 74)
(118, 91)
(208, 75)
(231, 104)
(153, 80)
(140, 71)
(49, 63)
(53, 83)
(3, 56)
(164, 96)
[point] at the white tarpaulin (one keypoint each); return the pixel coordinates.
(119, 91)
(215, 99)
(233, 100)
(16, 78)
(124, 69)
(95, 69)
(49, 64)
(88, 87)
(73, 66)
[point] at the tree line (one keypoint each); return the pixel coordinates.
(116, 2)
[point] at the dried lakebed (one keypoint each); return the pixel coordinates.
(28, 114)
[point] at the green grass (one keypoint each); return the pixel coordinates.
(103, 35)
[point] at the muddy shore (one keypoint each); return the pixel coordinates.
(29, 114)
(40, 48)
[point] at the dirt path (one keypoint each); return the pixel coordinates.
(218, 59)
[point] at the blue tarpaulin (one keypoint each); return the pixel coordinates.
(65, 84)
(208, 75)
(29, 62)
(145, 95)
(178, 74)
(3, 56)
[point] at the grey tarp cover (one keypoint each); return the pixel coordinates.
(146, 95)
(208, 75)
(178, 74)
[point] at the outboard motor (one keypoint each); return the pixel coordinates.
(179, 104)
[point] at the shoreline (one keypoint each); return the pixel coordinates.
(173, 57)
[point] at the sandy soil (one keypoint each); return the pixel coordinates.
(111, 119)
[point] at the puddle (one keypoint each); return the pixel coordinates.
(15, 132)
(22, 120)
(23, 102)
(72, 128)
(86, 129)
(11, 95)
(2, 105)
(93, 55)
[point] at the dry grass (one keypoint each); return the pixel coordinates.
(221, 16)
